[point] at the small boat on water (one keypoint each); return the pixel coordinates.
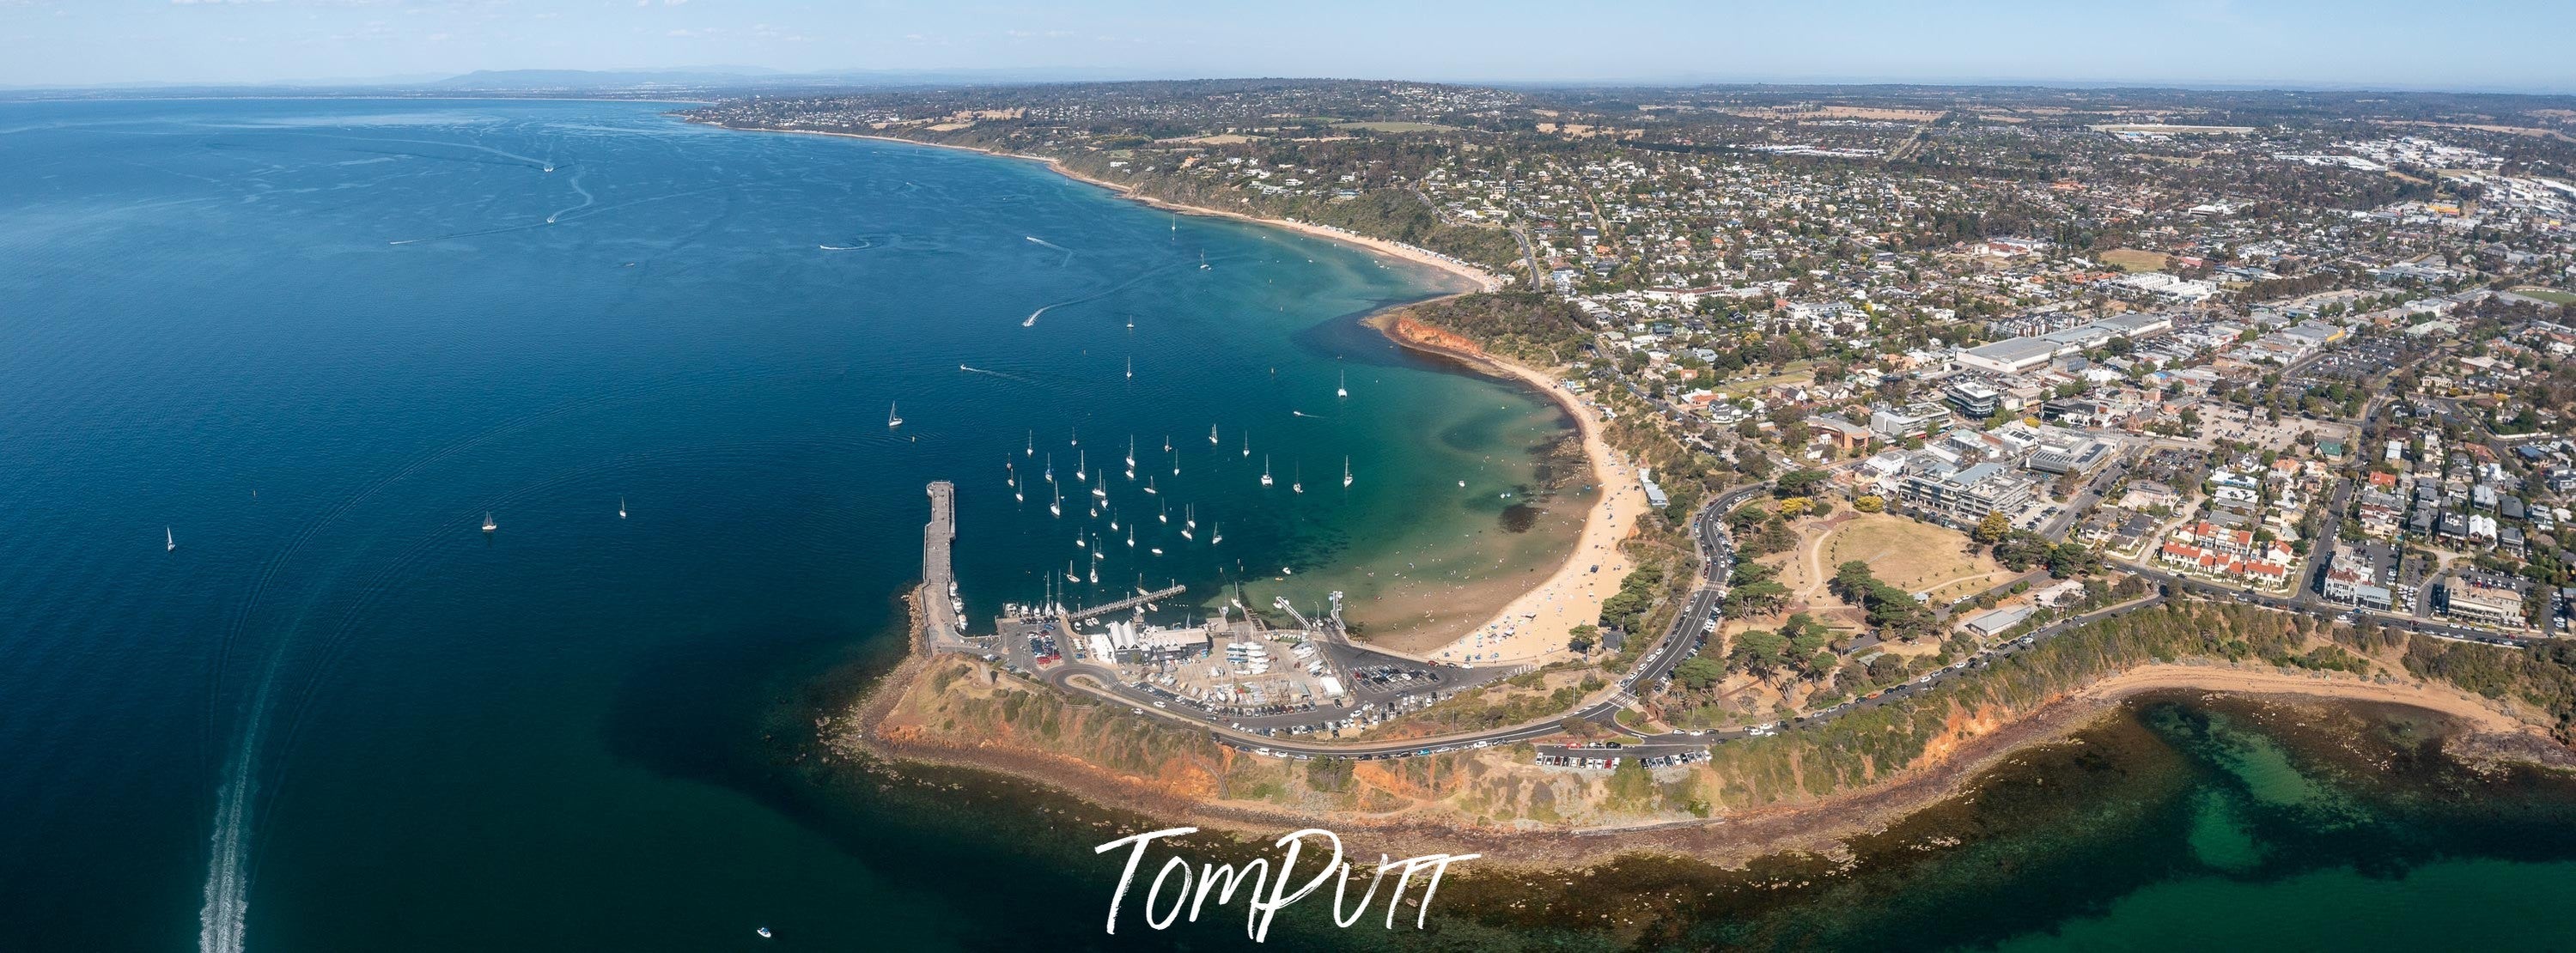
(1056, 506)
(1149, 487)
(1077, 438)
(1297, 480)
(763, 931)
(1131, 451)
(1211, 435)
(621, 507)
(1345, 389)
(1190, 517)
(1099, 491)
(893, 419)
(1216, 534)
(1203, 265)
(1131, 537)
(488, 525)
(1265, 470)
(1131, 368)
(1346, 473)
(1081, 464)
(170, 542)
(1033, 445)
(1247, 446)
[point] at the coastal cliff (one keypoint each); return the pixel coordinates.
(1803, 789)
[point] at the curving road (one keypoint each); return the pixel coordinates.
(1716, 551)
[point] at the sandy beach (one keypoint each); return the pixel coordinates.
(1535, 626)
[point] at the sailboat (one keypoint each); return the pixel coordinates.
(488, 525)
(1218, 534)
(1167, 443)
(1069, 574)
(893, 419)
(1079, 542)
(1164, 514)
(1113, 521)
(1345, 389)
(1131, 322)
(1080, 465)
(1077, 438)
(1100, 491)
(1033, 445)
(1297, 482)
(1211, 435)
(1056, 506)
(1265, 469)
(1346, 473)
(1247, 446)
(1176, 463)
(1187, 525)
(1190, 517)
(1095, 574)
(1050, 468)
(1131, 368)
(1131, 456)
(1149, 487)
(1131, 537)
(172, 541)
(1203, 265)
(621, 507)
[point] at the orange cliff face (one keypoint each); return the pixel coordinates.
(1416, 332)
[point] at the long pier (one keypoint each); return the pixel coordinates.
(1127, 603)
(940, 624)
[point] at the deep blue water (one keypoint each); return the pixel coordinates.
(320, 340)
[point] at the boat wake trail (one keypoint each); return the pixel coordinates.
(576, 213)
(1000, 374)
(225, 919)
(863, 244)
(1068, 253)
(586, 199)
(1113, 289)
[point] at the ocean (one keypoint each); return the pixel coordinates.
(320, 342)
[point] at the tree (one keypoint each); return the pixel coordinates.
(1991, 530)
(1698, 672)
(1800, 482)
(1582, 638)
(1757, 651)
(1872, 503)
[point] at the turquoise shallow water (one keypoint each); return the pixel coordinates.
(320, 340)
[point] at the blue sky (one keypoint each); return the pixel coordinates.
(2478, 44)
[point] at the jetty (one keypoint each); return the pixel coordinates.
(1125, 604)
(941, 626)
